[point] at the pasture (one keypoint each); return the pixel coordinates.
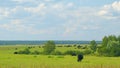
(10, 60)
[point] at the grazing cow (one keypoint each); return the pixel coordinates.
(80, 57)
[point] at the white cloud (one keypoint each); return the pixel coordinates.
(70, 27)
(58, 6)
(22, 1)
(70, 4)
(16, 9)
(102, 12)
(39, 9)
(10, 12)
(48, 0)
(4, 12)
(18, 26)
(116, 6)
(111, 11)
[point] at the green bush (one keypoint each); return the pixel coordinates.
(78, 46)
(49, 47)
(15, 52)
(60, 56)
(111, 49)
(72, 52)
(36, 52)
(110, 46)
(56, 53)
(87, 51)
(50, 56)
(25, 51)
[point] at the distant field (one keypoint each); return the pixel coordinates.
(10, 60)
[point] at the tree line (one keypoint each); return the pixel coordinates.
(110, 46)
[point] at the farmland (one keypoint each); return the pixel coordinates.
(10, 60)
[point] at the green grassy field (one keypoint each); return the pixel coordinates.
(10, 60)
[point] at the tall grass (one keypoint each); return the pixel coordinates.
(9, 60)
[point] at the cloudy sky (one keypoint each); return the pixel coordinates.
(59, 19)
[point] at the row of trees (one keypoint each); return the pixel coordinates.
(110, 46)
(49, 49)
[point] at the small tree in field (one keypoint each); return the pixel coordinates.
(49, 47)
(93, 45)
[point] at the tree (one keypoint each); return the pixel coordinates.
(93, 45)
(110, 46)
(118, 38)
(114, 48)
(49, 47)
(112, 38)
(105, 41)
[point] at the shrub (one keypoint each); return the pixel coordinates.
(60, 56)
(15, 52)
(39, 46)
(25, 51)
(16, 48)
(69, 52)
(56, 53)
(60, 46)
(72, 52)
(84, 47)
(68, 46)
(29, 47)
(78, 46)
(36, 52)
(74, 45)
(87, 51)
(50, 56)
(34, 56)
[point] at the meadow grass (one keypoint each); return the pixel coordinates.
(10, 60)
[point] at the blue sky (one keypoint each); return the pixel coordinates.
(59, 19)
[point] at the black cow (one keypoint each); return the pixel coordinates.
(80, 57)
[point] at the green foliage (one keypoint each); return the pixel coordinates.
(15, 52)
(103, 51)
(112, 38)
(118, 38)
(114, 48)
(50, 56)
(25, 51)
(72, 52)
(84, 47)
(93, 45)
(49, 47)
(78, 46)
(36, 52)
(68, 46)
(56, 53)
(60, 56)
(74, 45)
(105, 41)
(87, 51)
(110, 46)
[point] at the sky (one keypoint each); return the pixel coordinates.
(59, 19)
